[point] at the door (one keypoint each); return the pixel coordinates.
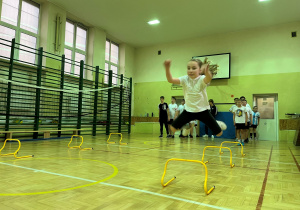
(267, 105)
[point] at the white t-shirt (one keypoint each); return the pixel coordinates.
(247, 105)
(173, 108)
(249, 112)
(231, 108)
(194, 91)
(181, 108)
(240, 114)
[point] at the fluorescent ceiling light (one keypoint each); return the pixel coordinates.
(262, 0)
(152, 22)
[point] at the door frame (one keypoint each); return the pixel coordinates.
(275, 95)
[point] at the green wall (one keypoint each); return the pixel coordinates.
(146, 95)
(286, 85)
(263, 60)
(268, 50)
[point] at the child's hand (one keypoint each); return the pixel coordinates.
(208, 75)
(206, 70)
(167, 64)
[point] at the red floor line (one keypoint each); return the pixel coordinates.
(297, 164)
(262, 192)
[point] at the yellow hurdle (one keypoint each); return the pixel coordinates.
(16, 152)
(78, 147)
(232, 165)
(115, 142)
(185, 160)
(231, 142)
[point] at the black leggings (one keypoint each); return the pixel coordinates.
(162, 127)
(205, 117)
(206, 128)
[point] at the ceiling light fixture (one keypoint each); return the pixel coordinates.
(152, 22)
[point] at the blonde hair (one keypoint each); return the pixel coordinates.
(197, 61)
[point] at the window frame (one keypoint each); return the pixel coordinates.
(75, 50)
(111, 63)
(18, 30)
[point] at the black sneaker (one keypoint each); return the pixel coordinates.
(191, 136)
(197, 136)
(173, 136)
(169, 136)
(246, 140)
(160, 136)
(180, 135)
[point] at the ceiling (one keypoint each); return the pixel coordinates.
(126, 20)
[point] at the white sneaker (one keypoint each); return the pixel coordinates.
(222, 125)
(212, 137)
(239, 141)
(236, 139)
(250, 138)
(205, 136)
(256, 138)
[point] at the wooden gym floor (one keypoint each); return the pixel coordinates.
(128, 176)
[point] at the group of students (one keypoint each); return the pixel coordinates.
(167, 114)
(245, 120)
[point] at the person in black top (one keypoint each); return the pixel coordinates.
(163, 116)
(214, 112)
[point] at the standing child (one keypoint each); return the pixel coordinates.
(194, 90)
(181, 107)
(231, 110)
(163, 116)
(214, 112)
(256, 118)
(243, 98)
(240, 119)
(172, 114)
(233, 106)
(249, 122)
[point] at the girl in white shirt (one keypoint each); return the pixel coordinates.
(196, 101)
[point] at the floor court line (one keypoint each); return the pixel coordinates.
(120, 186)
(296, 162)
(263, 188)
(235, 156)
(47, 172)
(193, 153)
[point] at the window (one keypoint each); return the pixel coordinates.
(112, 60)
(20, 20)
(75, 46)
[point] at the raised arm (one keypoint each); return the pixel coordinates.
(170, 79)
(208, 75)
